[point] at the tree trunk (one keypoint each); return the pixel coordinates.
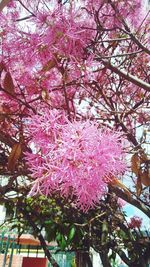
(105, 259)
(83, 259)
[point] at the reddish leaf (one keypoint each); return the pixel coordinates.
(145, 178)
(45, 95)
(49, 65)
(14, 156)
(3, 4)
(138, 187)
(135, 164)
(8, 83)
(2, 66)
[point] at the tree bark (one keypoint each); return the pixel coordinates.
(104, 259)
(83, 259)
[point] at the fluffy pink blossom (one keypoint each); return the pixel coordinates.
(76, 159)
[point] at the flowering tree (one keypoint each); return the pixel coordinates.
(74, 92)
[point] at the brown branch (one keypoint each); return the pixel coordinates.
(133, 37)
(121, 55)
(6, 139)
(138, 204)
(128, 31)
(25, 7)
(133, 109)
(129, 77)
(14, 97)
(24, 18)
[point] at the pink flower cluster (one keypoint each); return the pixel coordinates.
(121, 202)
(76, 159)
(135, 222)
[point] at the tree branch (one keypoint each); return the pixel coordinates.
(127, 76)
(7, 140)
(128, 31)
(120, 193)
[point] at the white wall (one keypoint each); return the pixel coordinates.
(2, 214)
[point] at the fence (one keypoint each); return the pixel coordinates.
(14, 254)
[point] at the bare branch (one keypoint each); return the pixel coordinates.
(129, 77)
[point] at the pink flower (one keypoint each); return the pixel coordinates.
(135, 222)
(76, 159)
(121, 202)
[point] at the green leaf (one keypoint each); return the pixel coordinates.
(58, 237)
(63, 243)
(71, 233)
(48, 222)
